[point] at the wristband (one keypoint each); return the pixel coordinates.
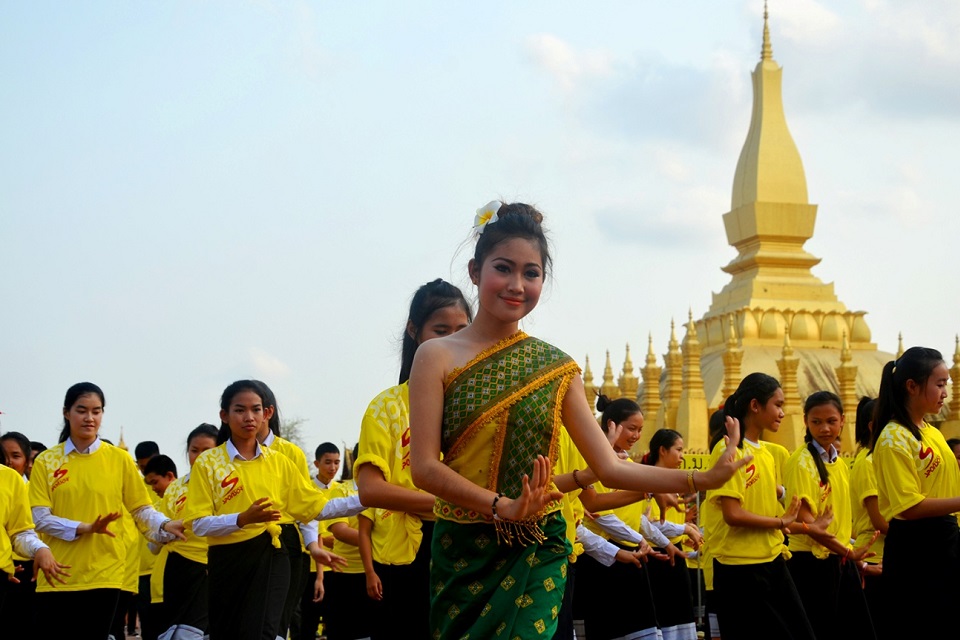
(496, 499)
(691, 483)
(577, 480)
(781, 522)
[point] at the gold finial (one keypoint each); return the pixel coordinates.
(120, 443)
(731, 332)
(673, 335)
(587, 374)
(651, 356)
(845, 349)
(956, 352)
(608, 370)
(766, 52)
(899, 345)
(627, 362)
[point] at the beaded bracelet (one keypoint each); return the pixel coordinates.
(577, 480)
(691, 483)
(496, 499)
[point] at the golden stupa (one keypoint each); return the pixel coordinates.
(774, 316)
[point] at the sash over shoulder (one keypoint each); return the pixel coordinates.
(518, 385)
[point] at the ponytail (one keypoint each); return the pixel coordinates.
(916, 363)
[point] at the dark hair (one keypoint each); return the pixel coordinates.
(74, 393)
(429, 298)
(617, 410)
(916, 363)
(814, 400)
(717, 427)
(206, 430)
(864, 416)
(229, 394)
(39, 447)
(22, 441)
(952, 442)
(756, 386)
(326, 447)
(146, 449)
(515, 220)
(160, 465)
(665, 438)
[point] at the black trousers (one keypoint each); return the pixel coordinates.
(248, 586)
(595, 586)
(78, 615)
(17, 609)
(759, 601)
(185, 594)
(921, 562)
(406, 594)
(832, 597)
(347, 614)
(299, 567)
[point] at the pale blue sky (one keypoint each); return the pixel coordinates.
(195, 192)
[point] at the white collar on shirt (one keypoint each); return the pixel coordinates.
(68, 446)
(317, 481)
(826, 456)
(269, 439)
(234, 454)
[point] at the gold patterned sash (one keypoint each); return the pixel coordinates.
(518, 385)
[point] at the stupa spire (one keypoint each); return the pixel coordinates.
(766, 52)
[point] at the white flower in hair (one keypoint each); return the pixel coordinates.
(486, 214)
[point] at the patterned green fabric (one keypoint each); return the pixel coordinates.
(481, 589)
(523, 377)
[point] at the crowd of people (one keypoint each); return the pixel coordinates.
(486, 500)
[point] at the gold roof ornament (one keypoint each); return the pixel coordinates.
(590, 389)
(628, 383)
(609, 387)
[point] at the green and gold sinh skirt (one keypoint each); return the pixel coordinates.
(482, 588)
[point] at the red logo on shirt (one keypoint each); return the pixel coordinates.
(229, 482)
(60, 477)
(405, 445)
(751, 475)
(232, 485)
(932, 464)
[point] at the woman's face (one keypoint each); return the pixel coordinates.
(15, 458)
(632, 426)
(824, 422)
(198, 445)
(671, 458)
(770, 414)
(510, 279)
(246, 415)
(931, 395)
(84, 417)
(443, 322)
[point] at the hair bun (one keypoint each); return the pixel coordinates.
(602, 402)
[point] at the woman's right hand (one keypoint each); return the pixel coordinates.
(727, 464)
(100, 525)
(790, 515)
(258, 512)
(374, 587)
(535, 496)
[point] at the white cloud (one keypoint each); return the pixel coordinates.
(267, 365)
(567, 66)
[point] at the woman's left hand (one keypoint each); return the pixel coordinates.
(52, 570)
(175, 528)
(327, 558)
(535, 496)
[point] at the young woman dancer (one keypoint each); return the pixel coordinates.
(179, 578)
(240, 494)
(823, 565)
(671, 580)
(754, 593)
(383, 473)
(867, 518)
(77, 491)
(918, 493)
(490, 399)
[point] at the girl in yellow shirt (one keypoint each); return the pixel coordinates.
(77, 491)
(179, 578)
(755, 596)
(918, 485)
(239, 496)
(382, 471)
(823, 565)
